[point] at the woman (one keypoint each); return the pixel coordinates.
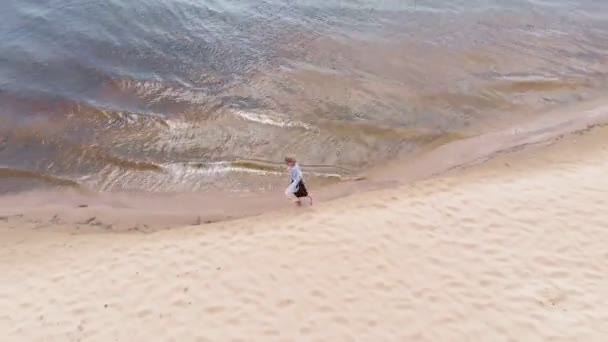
(296, 188)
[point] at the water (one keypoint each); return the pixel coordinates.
(185, 95)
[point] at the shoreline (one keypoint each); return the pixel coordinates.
(142, 212)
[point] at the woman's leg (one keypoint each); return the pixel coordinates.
(291, 196)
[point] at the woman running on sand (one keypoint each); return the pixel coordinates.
(296, 188)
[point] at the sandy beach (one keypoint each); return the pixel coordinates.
(456, 153)
(513, 249)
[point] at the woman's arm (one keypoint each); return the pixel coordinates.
(296, 177)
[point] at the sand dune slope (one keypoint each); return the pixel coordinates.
(513, 253)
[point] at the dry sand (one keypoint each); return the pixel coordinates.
(512, 250)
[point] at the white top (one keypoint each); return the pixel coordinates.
(295, 176)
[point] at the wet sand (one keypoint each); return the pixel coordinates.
(512, 249)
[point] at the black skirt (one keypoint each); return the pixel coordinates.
(301, 192)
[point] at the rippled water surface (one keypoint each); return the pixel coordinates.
(188, 95)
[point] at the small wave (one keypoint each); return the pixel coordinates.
(372, 129)
(270, 168)
(528, 83)
(323, 171)
(176, 125)
(36, 176)
(461, 101)
(256, 165)
(104, 157)
(274, 120)
(223, 167)
(153, 92)
(120, 118)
